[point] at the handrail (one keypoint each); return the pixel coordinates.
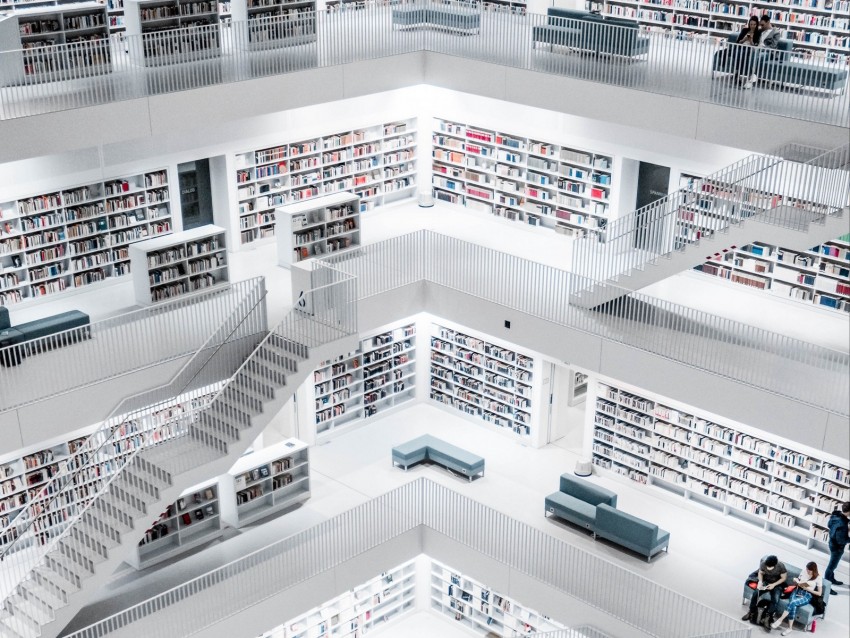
(122, 67)
(89, 454)
(770, 189)
(58, 371)
(708, 342)
(421, 503)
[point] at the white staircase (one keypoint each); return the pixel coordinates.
(794, 204)
(51, 585)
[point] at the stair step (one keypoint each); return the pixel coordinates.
(263, 371)
(289, 346)
(248, 383)
(32, 589)
(36, 611)
(98, 532)
(133, 482)
(85, 553)
(16, 627)
(279, 358)
(150, 472)
(213, 440)
(224, 408)
(66, 569)
(218, 424)
(242, 398)
(58, 584)
(126, 499)
(104, 509)
(174, 455)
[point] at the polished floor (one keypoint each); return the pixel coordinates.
(674, 67)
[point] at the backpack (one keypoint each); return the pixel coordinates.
(817, 603)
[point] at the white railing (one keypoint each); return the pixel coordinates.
(122, 67)
(95, 463)
(195, 606)
(101, 460)
(127, 343)
(811, 374)
(776, 191)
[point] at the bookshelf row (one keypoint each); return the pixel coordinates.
(192, 520)
(78, 236)
(820, 276)
(482, 610)
(179, 264)
(819, 28)
(24, 480)
(317, 227)
(380, 374)
(522, 179)
(359, 611)
(29, 29)
(265, 483)
(481, 379)
(756, 479)
(377, 163)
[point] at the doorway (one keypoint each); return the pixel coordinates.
(195, 193)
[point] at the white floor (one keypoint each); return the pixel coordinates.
(709, 554)
(423, 624)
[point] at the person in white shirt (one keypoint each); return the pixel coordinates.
(809, 583)
(769, 38)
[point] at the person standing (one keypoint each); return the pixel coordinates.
(839, 533)
(772, 575)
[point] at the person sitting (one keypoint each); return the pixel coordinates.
(769, 37)
(809, 584)
(771, 576)
(748, 37)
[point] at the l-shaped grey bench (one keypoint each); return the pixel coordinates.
(427, 447)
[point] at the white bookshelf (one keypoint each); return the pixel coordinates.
(482, 610)
(820, 276)
(522, 179)
(317, 227)
(21, 477)
(78, 236)
(274, 23)
(763, 481)
(265, 482)
(192, 520)
(148, 20)
(482, 380)
(819, 28)
(376, 163)
(359, 611)
(31, 29)
(179, 264)
(378, 376)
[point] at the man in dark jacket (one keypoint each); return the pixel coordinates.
(838, 539)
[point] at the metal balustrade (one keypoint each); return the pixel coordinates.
(195, 606)
(123, 67)
(100, 459)
(119, 345)
(94, 496)
(770, 189)
(810, 374)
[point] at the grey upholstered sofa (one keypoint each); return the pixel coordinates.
(576, 501)
(450, 17)
(586, 31)
(780, 67)
(24, 332)
(582, 503)
(629, 531)
(427, 447)
(806, 613)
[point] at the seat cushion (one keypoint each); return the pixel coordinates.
(53, 324)
(5, 322)
(571, 509)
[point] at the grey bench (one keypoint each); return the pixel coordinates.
(576, 501)
(453, 19)
(806, 613)
(22, 333)
(430, 448)
(629, 531)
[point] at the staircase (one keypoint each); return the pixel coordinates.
(794, 204)
(48, 580)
